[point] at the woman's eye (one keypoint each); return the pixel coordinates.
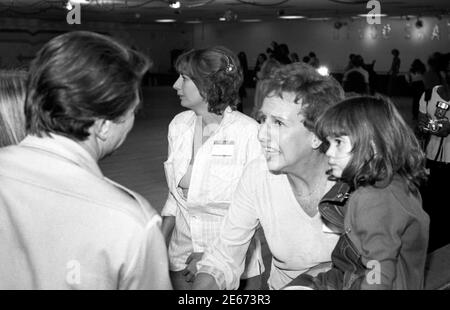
(278, 123)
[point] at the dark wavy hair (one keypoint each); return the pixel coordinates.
(383, 144)
(315, 92)
(79, 77)
(217, 74)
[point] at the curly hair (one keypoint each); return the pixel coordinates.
(79, 77)
(315, 92)
(383, 144)
(216, 72)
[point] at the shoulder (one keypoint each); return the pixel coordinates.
(130, 203)
(392, 201)
(244, 120)
(181, 122)
(257, 169)
(181, 118)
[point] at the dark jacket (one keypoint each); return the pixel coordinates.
(384, 238)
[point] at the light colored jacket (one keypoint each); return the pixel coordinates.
(63, 225)
(217, 169)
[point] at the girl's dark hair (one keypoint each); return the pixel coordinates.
(383, 144)
(79, 77)
(217, 74)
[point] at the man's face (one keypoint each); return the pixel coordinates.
(284, 138)
(119, 130)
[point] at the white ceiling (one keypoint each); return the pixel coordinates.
(146, 11)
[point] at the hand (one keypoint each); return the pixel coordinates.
(444, 129)
(191, 268)
(423, 121)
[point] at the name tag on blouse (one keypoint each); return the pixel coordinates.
(223, 148)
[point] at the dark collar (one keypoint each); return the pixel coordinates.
(338, 194)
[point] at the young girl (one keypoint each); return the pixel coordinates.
(375, 205)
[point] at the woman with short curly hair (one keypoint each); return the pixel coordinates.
(209, 145)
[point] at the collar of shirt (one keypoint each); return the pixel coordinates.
(64, 147)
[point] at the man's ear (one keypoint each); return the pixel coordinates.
(101, 128)
(315, 142)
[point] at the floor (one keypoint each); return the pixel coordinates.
(138, 164)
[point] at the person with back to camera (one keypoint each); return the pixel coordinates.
(393, 72)
(209, 145)
(12, 100)
(434, 116)
(356, 79)
(281, 191)
(64, 225)
(375, 207)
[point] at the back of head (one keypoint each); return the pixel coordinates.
(313, 91)
(395, 52)
(216, 72)
(355, 82)
(357, 61)
(268, 67)
(383, 144)
(12, 99)
(418, 66)
(79, 77)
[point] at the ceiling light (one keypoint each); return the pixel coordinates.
(79, 1)
(222, 19)
(250, 20)
(291, 17)
(69, 6)
(168, 20)
(372, 15)
(318, 18)
(193, 22)
(175, 4)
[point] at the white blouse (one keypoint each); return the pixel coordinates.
(218, 165)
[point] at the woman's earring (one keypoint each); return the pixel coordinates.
(230, 66)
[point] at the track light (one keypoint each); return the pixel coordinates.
(175, 4)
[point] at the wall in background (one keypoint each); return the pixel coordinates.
(332, 45)
(21, 38)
